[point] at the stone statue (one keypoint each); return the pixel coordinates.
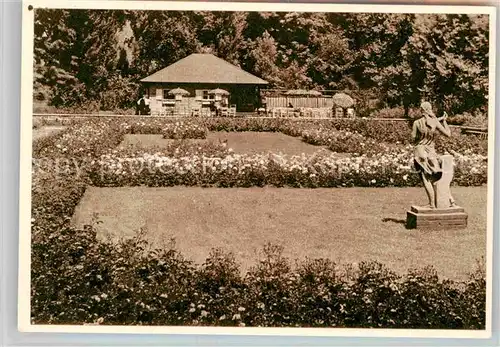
(427, 163)
(436, 173)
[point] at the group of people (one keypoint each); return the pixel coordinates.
(217, 107)
(142, 107)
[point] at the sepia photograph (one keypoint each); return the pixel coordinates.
(251, 167)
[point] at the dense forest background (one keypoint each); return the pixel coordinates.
(94, 58)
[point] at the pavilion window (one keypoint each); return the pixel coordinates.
(207, 96)
(166, 95)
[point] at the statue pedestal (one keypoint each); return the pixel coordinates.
(436, 218)
(441, 187)
(444, 216)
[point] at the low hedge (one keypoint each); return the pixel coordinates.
(78, 279)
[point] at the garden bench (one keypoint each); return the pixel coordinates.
(481, 132)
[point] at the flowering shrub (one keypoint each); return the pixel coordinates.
(381, 131)
(237, 170)
(85, 140)
(394, 112)
(397, 132)
(140, 126)
(462, 143)
(371, 133)
(184, 130)
(292, 127)
(46, 141)
(458, 119)
(478, 119)
(341, 141)
(176, 148)
(91, 145)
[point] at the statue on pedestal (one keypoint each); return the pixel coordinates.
(436, 173)
(427, 163)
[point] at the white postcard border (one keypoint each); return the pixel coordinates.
(24, 280)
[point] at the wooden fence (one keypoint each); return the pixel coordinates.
(298, 101)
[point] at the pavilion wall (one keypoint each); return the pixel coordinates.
(245, 97)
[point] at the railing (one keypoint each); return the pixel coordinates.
(282, 112)
(193, 112)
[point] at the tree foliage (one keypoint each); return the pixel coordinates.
(444, 60)
(84, 56)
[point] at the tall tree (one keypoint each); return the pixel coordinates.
(164, 37)
(55, 54)
(84, 56)
(223, 32)
(262, 59)
(445, 60)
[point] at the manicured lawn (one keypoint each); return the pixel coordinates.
(346, 225)
(241, 142)
(148, 141)
(46, 131)
(258, 142)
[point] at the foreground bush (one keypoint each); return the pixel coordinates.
(78, 279)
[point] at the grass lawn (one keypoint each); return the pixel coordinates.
(46, 131)
(241, 142)
(147, 141)
(346, 225)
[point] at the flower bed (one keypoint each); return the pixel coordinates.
(184, 130)
(88, 139)
(92, 146)
(398, 132)
(342, 141)
(214, 167)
